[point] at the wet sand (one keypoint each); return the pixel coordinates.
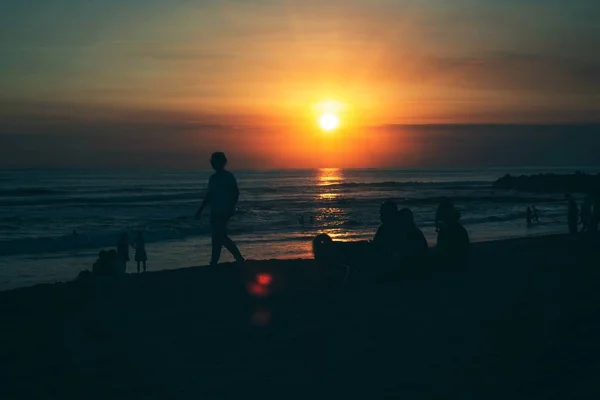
(522, 321)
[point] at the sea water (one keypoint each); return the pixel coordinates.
(54, 223)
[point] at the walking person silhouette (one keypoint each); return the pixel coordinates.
(222, 196)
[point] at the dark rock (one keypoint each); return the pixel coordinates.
(579, 182)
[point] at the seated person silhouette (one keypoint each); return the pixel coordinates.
(107, 264)
(387, 239)
(380, 252)
(328, 252)
(445, 208)
(452, 239)
(100, 266)
(413, 250)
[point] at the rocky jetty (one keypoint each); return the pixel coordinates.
(579, 182)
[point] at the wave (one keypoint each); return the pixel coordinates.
(30, 191)
(268, 204)
(179, 188)
(39, 245)
(154, 231)
(393, 184)
(488, 199)
(101, 200)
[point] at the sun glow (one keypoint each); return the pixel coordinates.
(329, 122)
(328, 114)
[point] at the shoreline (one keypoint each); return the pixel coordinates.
(131, 266)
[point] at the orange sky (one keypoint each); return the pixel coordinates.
(264, 64)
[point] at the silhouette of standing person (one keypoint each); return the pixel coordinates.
(123, 251)
(529, 216)
(223, 195)
(573, 215)
(586, 215)
(595, 219)
(140, 251)
(536, 215)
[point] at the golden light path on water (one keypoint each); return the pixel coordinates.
(327, 180)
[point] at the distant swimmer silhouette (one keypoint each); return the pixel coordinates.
(453, 239)
(529, 216)
(222, 196)
(140, 251)
(123, 250)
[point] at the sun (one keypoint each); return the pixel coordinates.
(329, 122)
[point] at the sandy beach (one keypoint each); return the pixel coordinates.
(520, 322)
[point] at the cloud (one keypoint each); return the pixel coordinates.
(519, 72)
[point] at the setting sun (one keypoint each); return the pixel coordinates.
(329, 122)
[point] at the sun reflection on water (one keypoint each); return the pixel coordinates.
(326, 178)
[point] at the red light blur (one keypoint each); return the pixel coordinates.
(264, 279)
(258, 290)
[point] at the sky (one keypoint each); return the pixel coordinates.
(137, 82)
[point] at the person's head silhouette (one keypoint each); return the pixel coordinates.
(218, 161)
(388, 212)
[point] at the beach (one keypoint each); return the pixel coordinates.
(521, 321)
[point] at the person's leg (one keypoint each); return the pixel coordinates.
(217, 239)
(573, 227)
(138, 267)
(232, 247)
(229, 244)
(144, 265)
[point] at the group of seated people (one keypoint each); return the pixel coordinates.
(400, 243)
(108, 264)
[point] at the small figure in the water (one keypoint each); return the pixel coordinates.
(573, 215)
(123, 250)
(140, 251)
(529, 216)
(536, 215)
(301, 219)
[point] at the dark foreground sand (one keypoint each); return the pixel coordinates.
(523, 321)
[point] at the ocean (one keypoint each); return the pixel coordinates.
(54, 223)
